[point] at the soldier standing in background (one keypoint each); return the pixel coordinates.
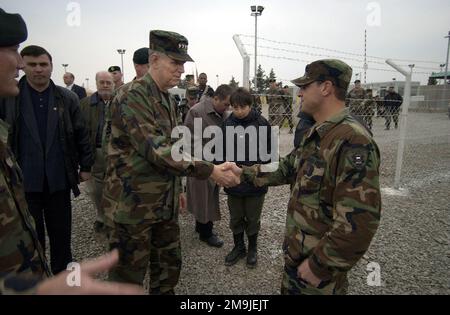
(355, 99)
(187, 103)
(335, 205)
(117, 75)
(392, 103)
(369, 108)
(287, 109)
(275, 102)
(203, 89)
(142, 183)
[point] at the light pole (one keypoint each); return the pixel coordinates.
(217, 77)
(256, 11)
(122, 52)
(65, 65)
(446, 63)
(87, 83)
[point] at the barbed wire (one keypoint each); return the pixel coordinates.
(333, 56)
(357, 67)
(338, 51)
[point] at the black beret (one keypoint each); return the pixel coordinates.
(140, 56)
(13, 29)
(113, 68)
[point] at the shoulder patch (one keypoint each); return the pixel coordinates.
(358, 158)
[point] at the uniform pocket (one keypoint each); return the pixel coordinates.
(312, 173)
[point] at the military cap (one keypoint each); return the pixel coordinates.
(140, 56)
(334, 70)
(13, 29)
(357, 81)
(192, 91)
(114, 68)
(172, 44)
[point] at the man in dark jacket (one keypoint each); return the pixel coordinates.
(69, 79)
(392, 103)
(94, 109)
(49, 138)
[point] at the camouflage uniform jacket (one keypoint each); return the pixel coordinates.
(355, 100)
(335, 204)
(22, 262)
(369, 106)
(142, 179)
(275, 97)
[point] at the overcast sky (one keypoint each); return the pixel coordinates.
(401, 29)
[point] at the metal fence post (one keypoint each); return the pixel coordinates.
(403, 121)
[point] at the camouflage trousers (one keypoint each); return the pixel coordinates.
(292, 285)
(144, 243)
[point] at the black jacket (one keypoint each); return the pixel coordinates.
(393, 100)
(79, 91)
(255, 119)
(70, 131)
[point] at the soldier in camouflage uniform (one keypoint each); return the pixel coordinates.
(275, 101)
(23, 267)
(369, 108)
(335, 204)
(188, 102)
(355, 100)
(142, 184)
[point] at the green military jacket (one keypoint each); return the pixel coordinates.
(335, 204)
(355, 101)
(22, 262)
(142, 179)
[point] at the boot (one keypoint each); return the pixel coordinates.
(252, 251)
(238, 251)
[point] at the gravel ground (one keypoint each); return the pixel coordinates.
(411, 245)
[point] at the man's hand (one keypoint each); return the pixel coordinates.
(85, 176)
(182, 203)
(228, 166)
(305, 273)
(88, 285)
(224, 176)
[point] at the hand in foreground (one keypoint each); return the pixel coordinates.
(305, 273)
(225, 177)
(88, 285)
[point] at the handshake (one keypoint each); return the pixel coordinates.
(227, 174)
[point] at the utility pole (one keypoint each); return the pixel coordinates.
(256, 11)
(122, 52)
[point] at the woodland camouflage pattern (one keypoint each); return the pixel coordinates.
(22, 262)
(335, 204)
(142, 186)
